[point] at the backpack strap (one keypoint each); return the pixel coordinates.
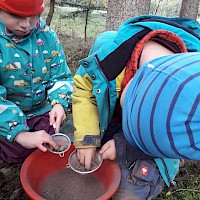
(168, 39)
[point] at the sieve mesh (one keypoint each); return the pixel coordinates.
(76, 166)
(63, 142)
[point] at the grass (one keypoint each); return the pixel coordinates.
(75, 49)
(71, 22)
(187, 182)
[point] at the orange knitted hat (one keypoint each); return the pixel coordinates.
(23, 7)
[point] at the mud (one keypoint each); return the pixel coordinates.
(67, 184)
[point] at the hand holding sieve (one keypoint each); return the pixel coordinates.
(76, 166)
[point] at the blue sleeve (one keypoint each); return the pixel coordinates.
(12, 119)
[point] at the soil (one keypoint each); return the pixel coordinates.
(78, 167)
(10, 185)
(71, 185)
(11, 189)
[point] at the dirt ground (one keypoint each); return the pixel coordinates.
(10, 186)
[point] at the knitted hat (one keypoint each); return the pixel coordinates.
(162, 105)
(23, 7)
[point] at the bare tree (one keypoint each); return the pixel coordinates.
(119, 11)
(51, 11)
(189, 8)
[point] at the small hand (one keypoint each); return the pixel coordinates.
(35, 139)
(85, 156)
(57, 116)
(108, 150)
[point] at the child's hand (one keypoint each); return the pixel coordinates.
(108, 150)
(85, 156)
(57, 116)
(35, 139)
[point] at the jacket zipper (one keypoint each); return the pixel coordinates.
(171, 182)
(107, 90)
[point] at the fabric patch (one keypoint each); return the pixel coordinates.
(144, 170)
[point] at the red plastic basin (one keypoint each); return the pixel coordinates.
(38, 166)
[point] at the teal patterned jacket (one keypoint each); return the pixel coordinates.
(34, 76)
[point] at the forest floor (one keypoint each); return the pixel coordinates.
(188, 182)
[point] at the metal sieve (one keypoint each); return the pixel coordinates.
(76, 166)
(63, 142)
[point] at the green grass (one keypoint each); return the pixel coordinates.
(73, 24)
(188, 188)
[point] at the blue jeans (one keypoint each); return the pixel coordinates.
(136, 184)
(141, 181)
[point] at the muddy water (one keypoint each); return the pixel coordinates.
(69, 185)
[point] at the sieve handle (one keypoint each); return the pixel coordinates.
(61, 155)
(67, 166)
(54, 126)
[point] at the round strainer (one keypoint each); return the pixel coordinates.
(63, 142)
(76, 166)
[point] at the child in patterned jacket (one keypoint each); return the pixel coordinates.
(35, 84)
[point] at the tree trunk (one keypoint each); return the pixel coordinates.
(50, 14)
(119, 11)
(189, 8)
